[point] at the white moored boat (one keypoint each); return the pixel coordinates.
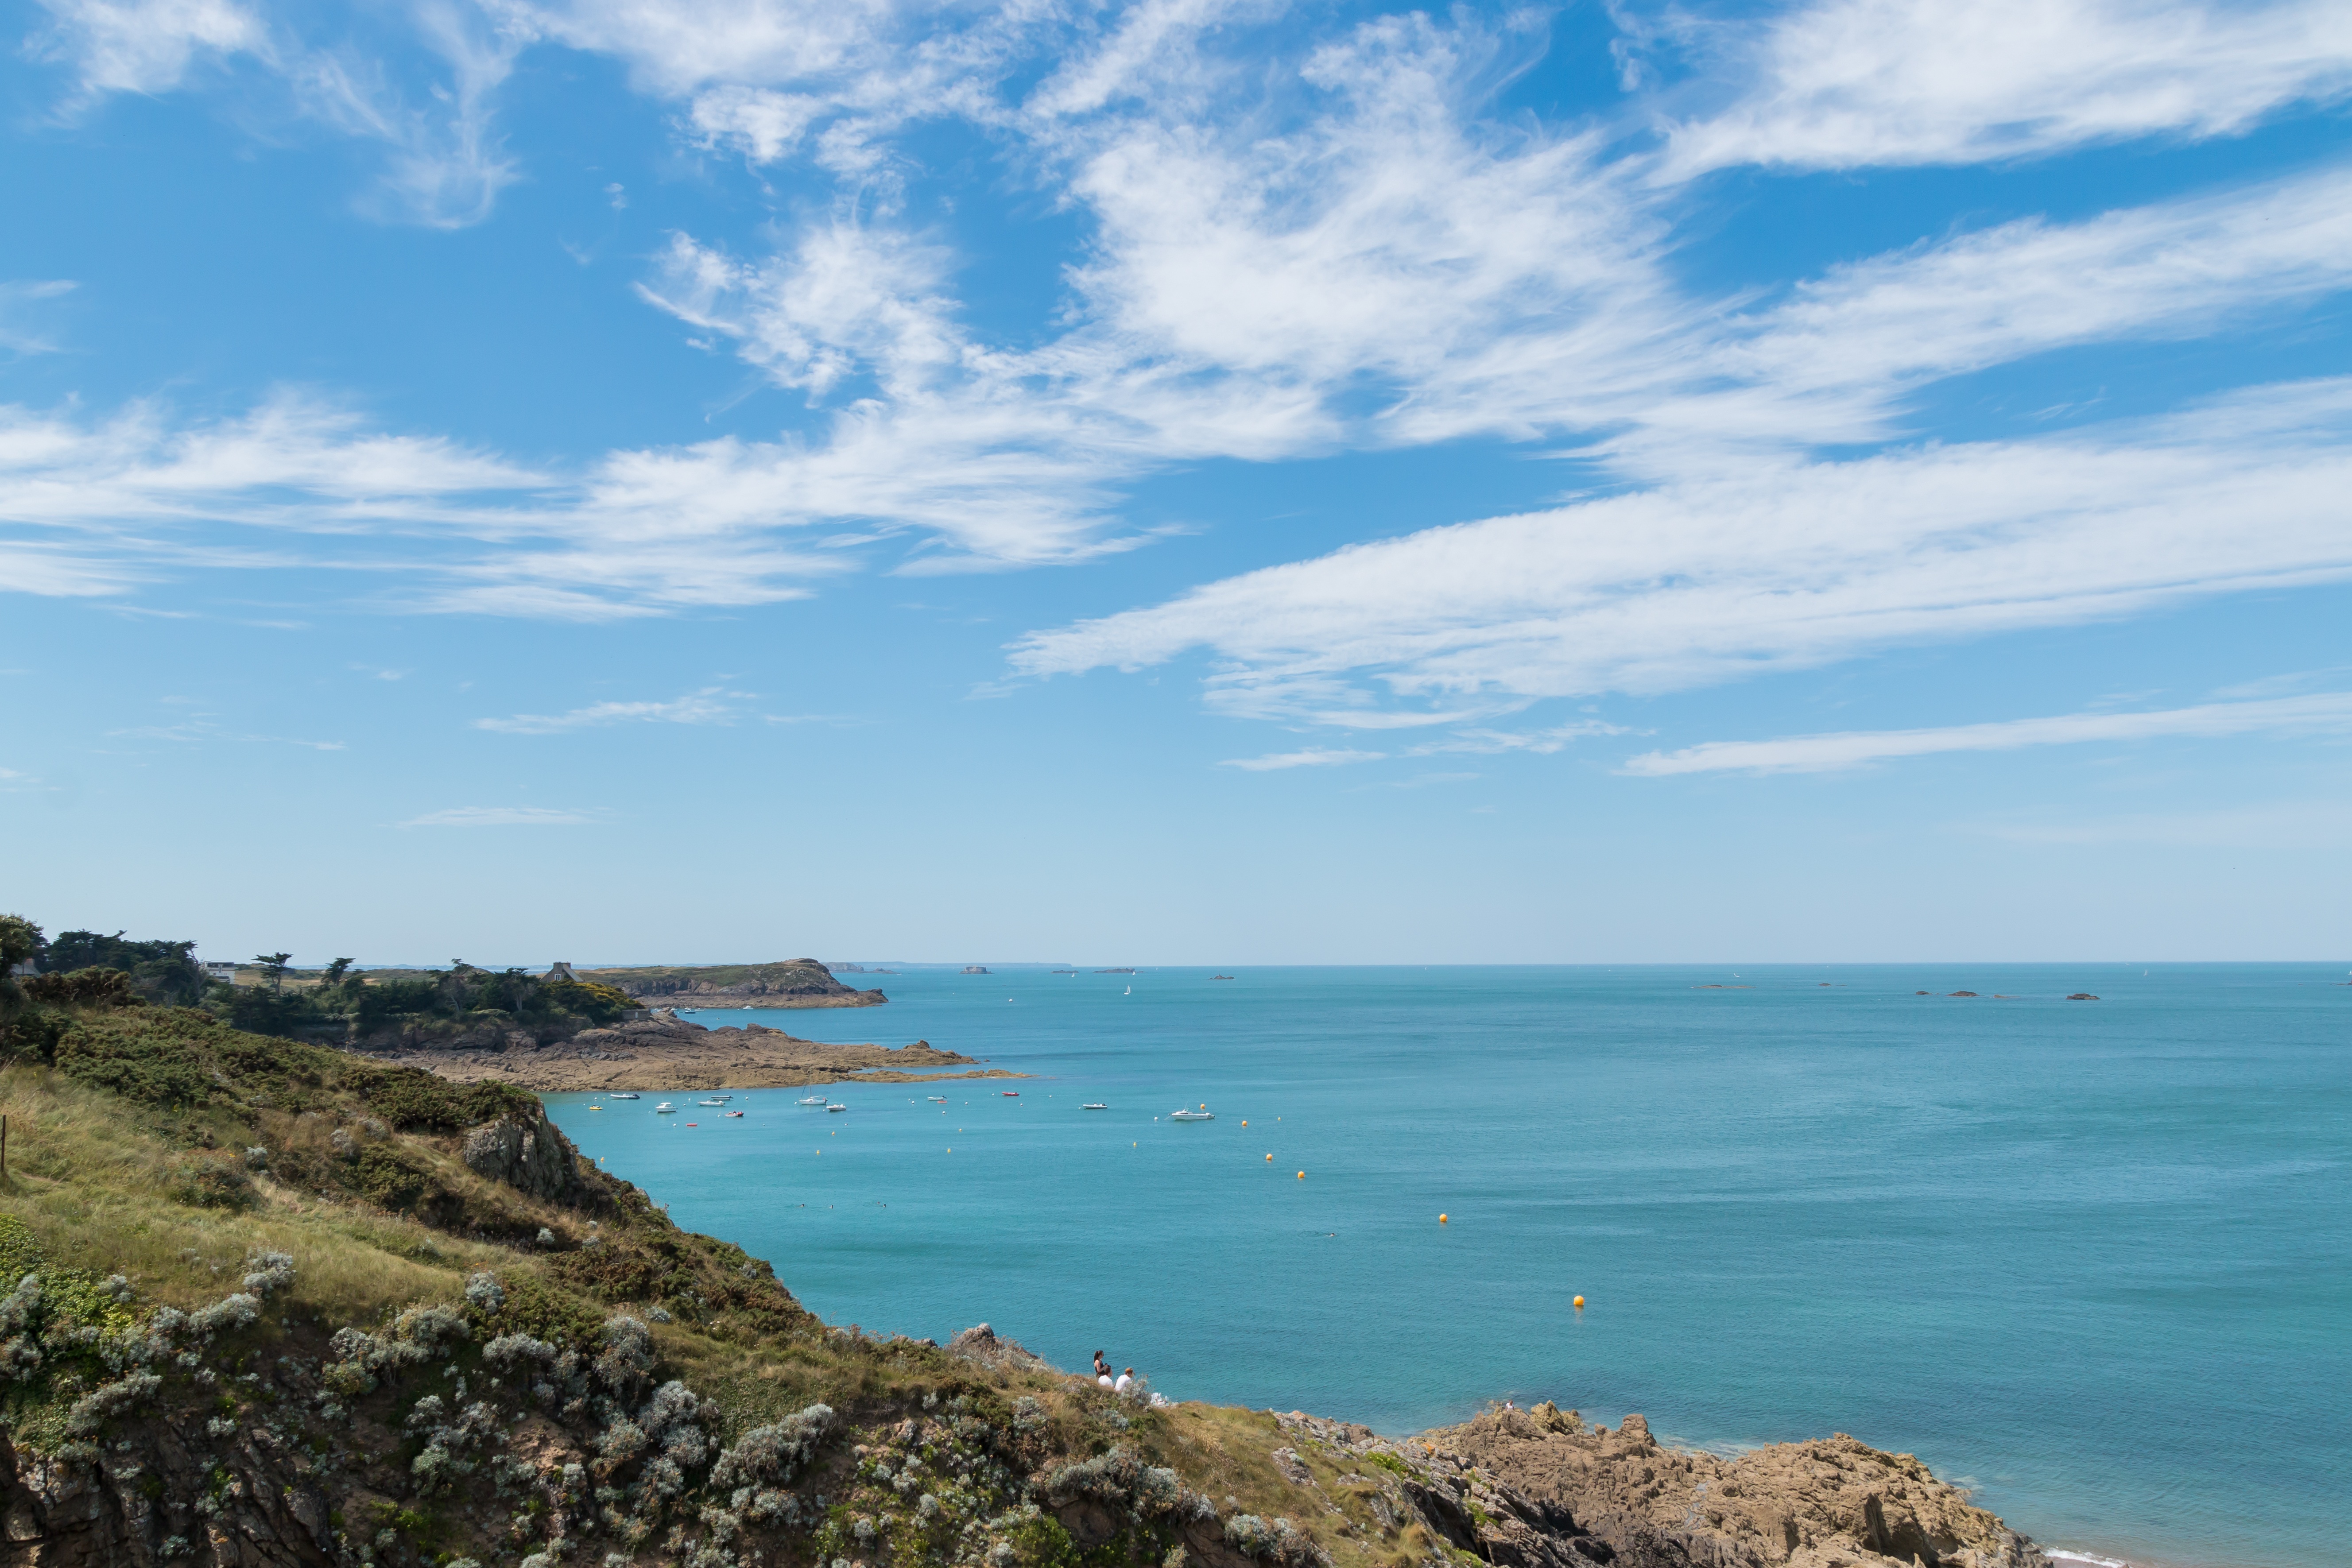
(664, 1108)
(1204, 1114)
(1094, 1105)
(716, 1102)
(836, 1106)
(624, 1097)
(816, 1099)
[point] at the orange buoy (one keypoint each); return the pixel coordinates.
(1441, 1219)
(1269, 1157)
(1579, 1303)
(1302, 1175)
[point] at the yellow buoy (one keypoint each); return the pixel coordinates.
(1579, 1303)
(1302, 1175)
(1441, 1219)
(1269, 1157)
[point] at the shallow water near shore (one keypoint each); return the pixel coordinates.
(2091, 1259)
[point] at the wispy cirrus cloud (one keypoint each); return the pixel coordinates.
(2322, 713)
(1848, 83)
(1785, 566)
(1310, 757)
(500, 816)
(711, 705)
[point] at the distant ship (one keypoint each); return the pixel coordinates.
(1221, 977)
(975, 969)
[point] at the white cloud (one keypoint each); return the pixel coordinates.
(20, 303)
(710, 706)
(500, 817)
(145, 46)
(1312, 757)
(1846, 83)
(1788, 566)
(1541, 742)
(760, 124)
(2326, 712)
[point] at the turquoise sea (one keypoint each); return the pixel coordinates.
(2091, 1259)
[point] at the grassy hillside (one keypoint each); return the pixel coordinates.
(791, 982)
(276, 1302)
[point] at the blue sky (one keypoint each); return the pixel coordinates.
(1188, 481)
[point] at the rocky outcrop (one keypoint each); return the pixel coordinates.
(1817, 1504)
(979, 1343)
(531, 1156)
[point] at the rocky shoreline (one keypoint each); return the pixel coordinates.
(666, 1053)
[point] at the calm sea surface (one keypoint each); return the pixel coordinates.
(2091, 1259)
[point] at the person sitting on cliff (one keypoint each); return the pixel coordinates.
(1126, 1381)
(1102, 1370)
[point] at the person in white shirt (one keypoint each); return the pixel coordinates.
(1126, 1381)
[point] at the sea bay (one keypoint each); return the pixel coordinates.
(2091, 1259)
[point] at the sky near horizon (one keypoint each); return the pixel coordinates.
(1190, 482)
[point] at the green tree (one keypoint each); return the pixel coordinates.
(336, 971)
(273, 966)
(161, 969)
(20, 939)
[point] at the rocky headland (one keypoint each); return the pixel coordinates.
(789, 983)
(664, 1053)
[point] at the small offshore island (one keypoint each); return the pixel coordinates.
(284, 1303)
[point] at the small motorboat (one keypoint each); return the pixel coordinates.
(1204, 1114)
(836, 1106)
(626, 1096)
(938, 1100)
(716, 1102)
(1094, 1105)
(734, 1113)
(1009, 1093)
(815, 1100)
(664, 1108)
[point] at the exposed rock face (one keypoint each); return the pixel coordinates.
(981, 1343)
(1803, 1505)
(531, 1156)
(266, 1506)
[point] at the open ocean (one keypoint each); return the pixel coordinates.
(2093, 1260)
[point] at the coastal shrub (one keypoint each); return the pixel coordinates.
(1388, 1461)
(141, 1056)
(211, 1183)
(771, 1456)
(415, 1100)
(1276, 1542)
(590, 999)
(101, 1405)
(387, 1176)
(84, 988)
